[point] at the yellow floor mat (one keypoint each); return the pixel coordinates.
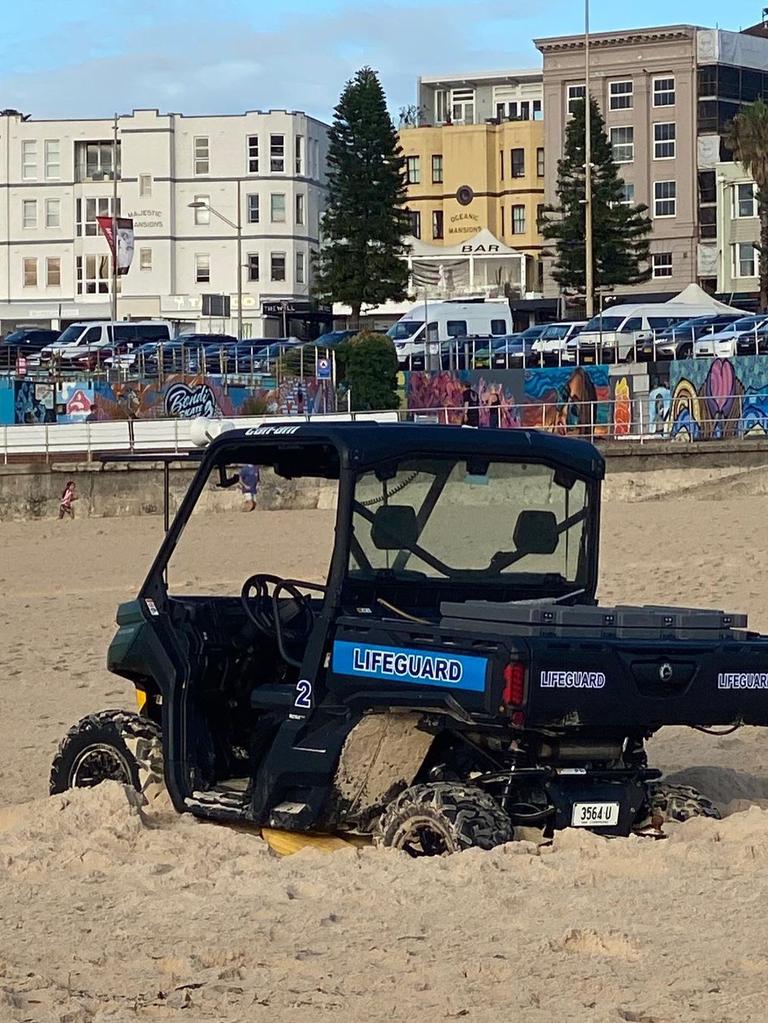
(285, 843)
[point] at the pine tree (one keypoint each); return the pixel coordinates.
(362, 259)
(619, 231)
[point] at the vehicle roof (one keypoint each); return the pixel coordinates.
(657, 309)
(372, 442)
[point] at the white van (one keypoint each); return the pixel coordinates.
(459, 317)
(613, 335)
(83, 339)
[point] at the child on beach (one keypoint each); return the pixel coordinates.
(65, 504)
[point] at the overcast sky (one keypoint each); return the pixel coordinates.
(90, 58)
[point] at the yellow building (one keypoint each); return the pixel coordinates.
(464, 178)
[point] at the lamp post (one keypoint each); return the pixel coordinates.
(238, 227)
(588, 264)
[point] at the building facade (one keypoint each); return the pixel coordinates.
(668, 95)
(475, 165)
(738, 229)
(263, 170)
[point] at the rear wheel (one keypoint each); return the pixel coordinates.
(442, 818)
(679, 802)
(114, 745)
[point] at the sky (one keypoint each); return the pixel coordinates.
(92, 58)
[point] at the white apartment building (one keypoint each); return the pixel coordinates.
(57, 177)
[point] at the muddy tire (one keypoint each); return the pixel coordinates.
(679, 802)
(442, 818)
(114, 745)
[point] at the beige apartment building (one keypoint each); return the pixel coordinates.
(668, 95)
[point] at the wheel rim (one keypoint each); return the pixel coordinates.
(99, 763)
(423, 836)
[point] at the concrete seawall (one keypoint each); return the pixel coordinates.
(635, 472)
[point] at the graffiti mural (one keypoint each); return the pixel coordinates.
(184, 402)
(33, 403)
(718, 398)
(574, 401)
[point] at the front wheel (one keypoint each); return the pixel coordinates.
(442, 818)
(113, 745)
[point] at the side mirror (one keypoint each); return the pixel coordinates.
(394, 527)
(536, 533)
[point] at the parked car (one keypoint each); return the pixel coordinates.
(753, 342)
(723, 343)
(516, 349)
(551, 346)
(24, 343)
(101, 336)
(334, 337)
(473, 352)
(677, 342)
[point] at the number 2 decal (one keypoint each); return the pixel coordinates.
(303, 694)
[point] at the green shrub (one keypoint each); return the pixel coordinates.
(370, 371)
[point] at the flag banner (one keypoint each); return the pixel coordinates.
(124, 240)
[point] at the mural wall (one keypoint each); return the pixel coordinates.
(711, 400)
(581, 400)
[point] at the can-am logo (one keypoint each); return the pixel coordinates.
(572, 680)
(742, 680)
(185, 402)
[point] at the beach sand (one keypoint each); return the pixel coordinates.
(109, 911)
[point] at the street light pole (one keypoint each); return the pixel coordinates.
(588, 264)
(237, 227)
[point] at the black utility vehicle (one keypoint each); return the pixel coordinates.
(451, 679)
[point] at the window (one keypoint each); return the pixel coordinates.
(145, 184)
(93, 274)
(202, 213)
(707, 186)
(662, 264)
(663, 92)
(501, 212)
(744, 260)
(518, 220)
(456, 328)
(441, 106)
(539, 163)
(498, 328)
(145, 259)
(202, 155)
(415, 223)
(253, 266)
(203, 268)
(620, 96)
(299, 267)
(437, 223)
(52, 213)
(575, 93)
(252, 208)
(94, 161)
(52, 151)
(53, 272)
(664, 140)
(277, 208)
(540, 218)
(538, 113)
(501, 164)
(518, 163)
(253, 154)
(87, 210)
(30, 272)
(413, 170)
(437, 169)
(277, 266)
(744, 201)
(299, 155)
(300, 208)
(664, 199)
(29, 160)
(277, 154)
(463, 106)
(29, 212)
(627, 194)
(623, 144)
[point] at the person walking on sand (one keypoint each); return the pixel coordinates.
(249, 484)
(65, 504)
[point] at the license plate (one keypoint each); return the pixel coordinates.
(595, 815)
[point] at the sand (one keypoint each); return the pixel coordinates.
(111, 911)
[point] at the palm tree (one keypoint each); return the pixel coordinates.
(748, 138)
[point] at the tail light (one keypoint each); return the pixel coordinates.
(514, 684)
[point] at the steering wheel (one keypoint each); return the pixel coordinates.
(291, 620)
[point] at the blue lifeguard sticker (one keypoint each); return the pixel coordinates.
(417, 667)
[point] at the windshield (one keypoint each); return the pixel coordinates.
(497, 524)
(556, 330)
(70, 334)
(598, 323)
(745, 323)
(404, 329)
